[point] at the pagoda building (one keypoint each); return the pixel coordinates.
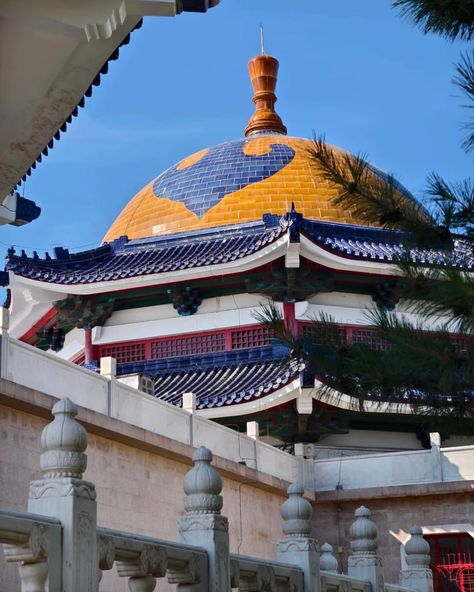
(173, 292)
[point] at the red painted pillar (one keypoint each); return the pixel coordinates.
(289, 316)
(90, 350)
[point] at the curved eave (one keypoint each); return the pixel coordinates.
(269, 253)
(282, 395)
(318, 254)
(341, 400)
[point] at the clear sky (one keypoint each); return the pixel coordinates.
(352, 70)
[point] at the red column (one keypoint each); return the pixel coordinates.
(90, 350)
(289, 317)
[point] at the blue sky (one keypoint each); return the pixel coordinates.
(352, 70)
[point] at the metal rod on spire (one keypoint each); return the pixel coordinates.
(262, 47)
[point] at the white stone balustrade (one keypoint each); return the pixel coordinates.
(327, 561)
(364, 562)
(35, 543)
(298, 547)
(417, 573)
(144, 559)
(332, 582)
(59, 547)
(249, 574)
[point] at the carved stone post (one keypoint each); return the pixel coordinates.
(328, 561)
(203, 524)
(364, 563)
(417, 574)
(63, 494)
(298, 547)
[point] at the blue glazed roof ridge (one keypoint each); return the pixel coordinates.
(224, 385)
(206, 234)
(176, 365)
(126, 259)
(123, 244)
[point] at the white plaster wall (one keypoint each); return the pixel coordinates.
(163, 320)
(363, 439)
(73, 344)
(352, 309)
(166, 311)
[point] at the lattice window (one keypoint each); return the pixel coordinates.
(370, 337)
(188, 346)
(125, 353)
(248, 338)
(461, 343)
(315, 334)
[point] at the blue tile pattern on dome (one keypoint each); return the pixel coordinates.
(222, 170)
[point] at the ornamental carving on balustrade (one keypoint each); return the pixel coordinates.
(84, 525)
(203, 522)
(293, 581)
(234, 573)
(421, 573)
(345, 586)
(365, 559)
(298, 544)
(266, 579)
(33, 550)
(106, 550)
(187, 575)
(63, 463)
(62, 487)
(152, 560)
(203, 503)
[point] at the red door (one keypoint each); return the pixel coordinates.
(452, 562)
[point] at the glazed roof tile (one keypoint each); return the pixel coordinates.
(122, 258)
(125, 259)
(380, 244)
(220, 379)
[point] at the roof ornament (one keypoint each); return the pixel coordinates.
(263, 70)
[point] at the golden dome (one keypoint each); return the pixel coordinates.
(238, 181)
(231, 183)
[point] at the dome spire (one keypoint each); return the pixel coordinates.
(263, 70)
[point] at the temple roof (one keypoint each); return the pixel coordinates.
(219, 379)
(125, 258)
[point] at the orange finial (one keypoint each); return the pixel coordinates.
(263, 70)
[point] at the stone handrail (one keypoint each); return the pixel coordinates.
(334, 582)
(143, 559)
(249, 573)
(35, 542)
(397, 588)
